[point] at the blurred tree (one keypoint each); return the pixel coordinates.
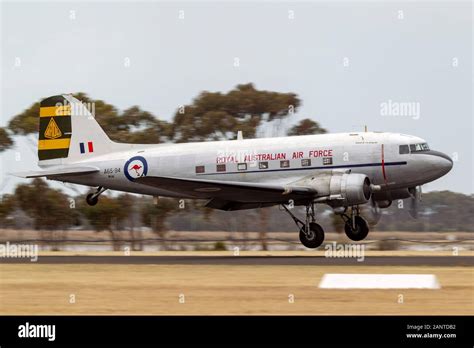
(133, 125)
(106, 216)
(50, 209)
(218, 116)
(155, 214)
(25, 122)
(438, 211)
(337, 223)
(306, 127)
(132, 206)
(5, 140)
(264, 219)
(7, 206)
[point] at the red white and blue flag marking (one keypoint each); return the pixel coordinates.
(90, 147)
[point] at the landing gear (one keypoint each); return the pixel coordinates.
(311, 233)
(356, 227)
(93, 198)
(312, 238)
(357, 230)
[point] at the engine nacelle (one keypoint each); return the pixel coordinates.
(341, 188)
(349, 189)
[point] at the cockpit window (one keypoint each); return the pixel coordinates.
(419, 147)
(403, 149)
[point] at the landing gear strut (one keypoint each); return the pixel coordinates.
(311, 233)
(93, 198)
(356, 227)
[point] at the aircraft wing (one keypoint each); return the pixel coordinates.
(230, 195)
(58, 171)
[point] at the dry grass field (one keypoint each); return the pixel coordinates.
(220, 289)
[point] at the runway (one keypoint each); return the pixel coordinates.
(220, 283)
(252, 260)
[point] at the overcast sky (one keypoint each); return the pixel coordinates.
(343, 59)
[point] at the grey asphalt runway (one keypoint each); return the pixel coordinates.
(253, 260)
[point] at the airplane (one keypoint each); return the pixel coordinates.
(344, 170)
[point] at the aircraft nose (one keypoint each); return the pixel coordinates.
(444, 163)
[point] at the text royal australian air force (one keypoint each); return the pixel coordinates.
(242, 156)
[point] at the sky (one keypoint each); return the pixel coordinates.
(346, 60)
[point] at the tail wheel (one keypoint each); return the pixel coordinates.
(360, 231)
(92, 199)
(314, 237)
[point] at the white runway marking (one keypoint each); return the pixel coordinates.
(379, 281)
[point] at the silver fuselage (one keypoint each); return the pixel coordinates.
(373, 154)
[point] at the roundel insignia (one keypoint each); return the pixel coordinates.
(135, 167)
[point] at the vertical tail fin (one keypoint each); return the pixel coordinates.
(68, 131)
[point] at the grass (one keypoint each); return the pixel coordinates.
(221, 289)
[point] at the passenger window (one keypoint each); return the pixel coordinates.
(306, 162)
(242, 166)
(262, 165)
(199, 169)
(285, 164)
(403, 149)
(327, 160)
(221, 168)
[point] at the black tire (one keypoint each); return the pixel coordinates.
(315, 238)
(360, 232)
(91, 200)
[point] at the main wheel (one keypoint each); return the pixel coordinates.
(91, 200)
(360, 231)
(314, 237)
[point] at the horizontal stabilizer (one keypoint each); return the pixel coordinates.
(58, 171)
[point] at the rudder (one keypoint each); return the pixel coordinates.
(55, 128)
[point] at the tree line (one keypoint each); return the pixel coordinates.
(50, 211)
(210, 116)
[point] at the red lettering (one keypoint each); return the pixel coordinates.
(316, 153)
(297, 155)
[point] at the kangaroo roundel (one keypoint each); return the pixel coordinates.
(135, 167)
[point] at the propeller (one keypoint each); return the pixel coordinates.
(414, 201)
(375, 212)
